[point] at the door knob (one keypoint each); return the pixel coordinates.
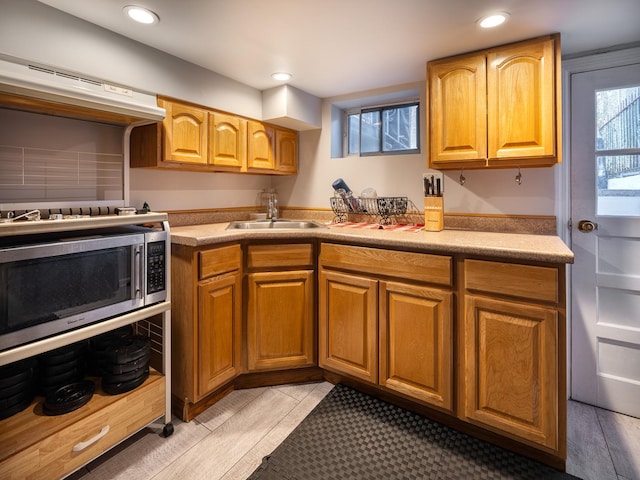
(587, 226)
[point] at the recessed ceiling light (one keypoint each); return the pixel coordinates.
(281, 76)
(141, 15)
(493, 20)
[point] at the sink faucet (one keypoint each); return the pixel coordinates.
(272, 209)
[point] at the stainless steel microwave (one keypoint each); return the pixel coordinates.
(58, 282)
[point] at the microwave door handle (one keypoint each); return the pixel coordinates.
(136, 284)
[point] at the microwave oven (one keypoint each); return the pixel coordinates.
(57, 282)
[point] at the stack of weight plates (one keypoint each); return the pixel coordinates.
(17, 386)
(122, 360)
(68, 398)
(100, 344)
(62, 366)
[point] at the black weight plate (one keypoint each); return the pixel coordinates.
(14, 368)
(126, 376)
(117, 388)
(8, 402)
(63, 354)
(101, 367)
(68, 397)
(107, 368)
(62, 378)
(105, 340)
(19, 376)
(6, 413)
(129, 350)
(27, 384)
(50, 370)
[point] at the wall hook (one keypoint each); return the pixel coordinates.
(462, 177)
(519, 177)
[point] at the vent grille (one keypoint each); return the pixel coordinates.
(70, 76)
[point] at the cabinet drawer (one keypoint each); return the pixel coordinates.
(289, 255)
(49, 441)
(219, 260)
(525, 281)
(421, 267)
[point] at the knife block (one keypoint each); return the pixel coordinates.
(433, 213)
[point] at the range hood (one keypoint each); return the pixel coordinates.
(33, 86)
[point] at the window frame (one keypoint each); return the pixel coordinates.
(381, 109)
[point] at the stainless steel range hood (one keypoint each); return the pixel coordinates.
(43, 88)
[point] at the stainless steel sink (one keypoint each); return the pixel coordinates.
(278, 224)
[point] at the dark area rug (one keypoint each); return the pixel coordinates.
(351, 435)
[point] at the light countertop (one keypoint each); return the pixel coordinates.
(539, 248)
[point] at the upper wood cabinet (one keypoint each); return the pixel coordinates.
(227, 142)
(261, 146)
(496, 108)
(200, 139)
(286, 151)
(458, 111)
(185, 133)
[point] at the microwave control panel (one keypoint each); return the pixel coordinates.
(156, 270)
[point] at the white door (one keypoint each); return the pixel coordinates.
(605, 238)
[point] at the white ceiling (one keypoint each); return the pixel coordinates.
(334, 47)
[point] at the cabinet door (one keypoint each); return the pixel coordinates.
(227, 142)
(219, 332)
(185, 133)
(260, 146)
(521, 99)
(348, 325)
(457, 111)
(511, 369)
(280, 320)
(286, 151)
(416, 342)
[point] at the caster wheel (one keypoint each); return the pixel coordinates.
(167, 431)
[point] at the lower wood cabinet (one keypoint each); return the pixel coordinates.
(416, 354)
(481, 341)
(511, 368)
(280, 320)
(513, 356)
(206, 301)
(280, 311)
(348, 325)
(392, 333)
(219, 332)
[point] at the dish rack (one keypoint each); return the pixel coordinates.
(383, 210)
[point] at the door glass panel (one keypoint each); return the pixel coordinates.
(618, 151)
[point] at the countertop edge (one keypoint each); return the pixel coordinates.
(539, 248)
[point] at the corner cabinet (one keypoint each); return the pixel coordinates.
(513, 356)
(385, 317)
(499, 107)
(207, 322)
(200, 139)
(280, 307)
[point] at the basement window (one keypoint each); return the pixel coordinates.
(382, 130)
